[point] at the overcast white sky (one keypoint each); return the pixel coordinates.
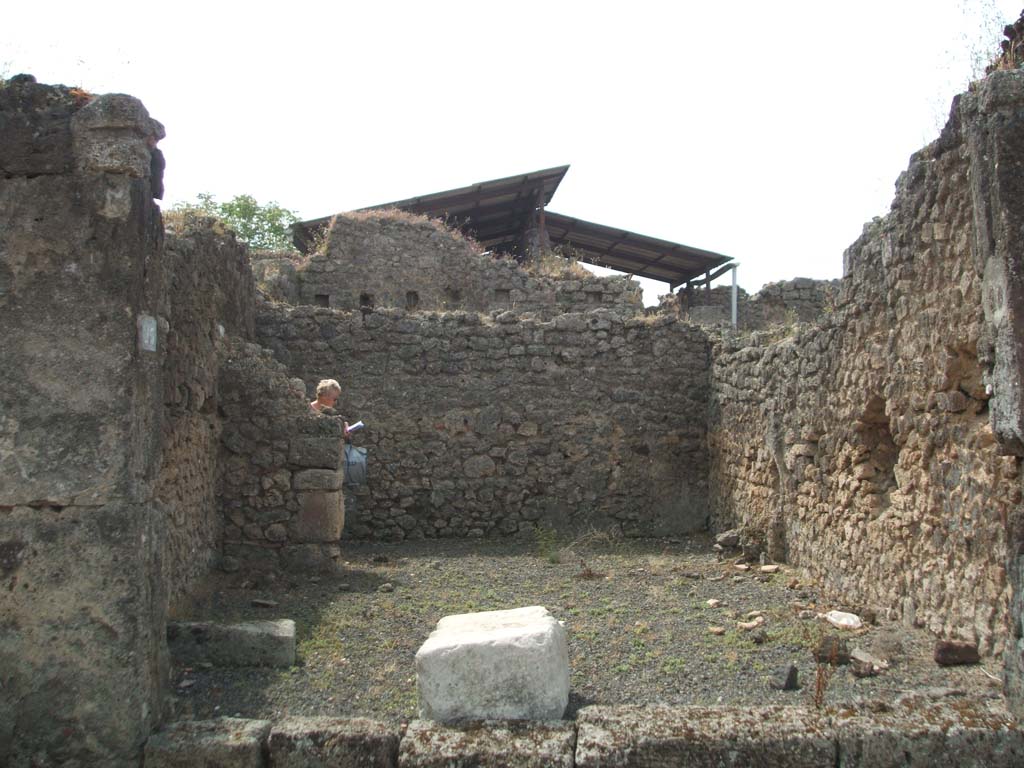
(769, 132)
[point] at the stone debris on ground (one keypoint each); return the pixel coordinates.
(950, 653)
(832, 650)
(842, 620)
(864, 664)
(786, 678)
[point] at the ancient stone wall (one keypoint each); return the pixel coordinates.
(489, 425)
(781, 303)
(208, 295)
(990, 119)
(394, 259)
(82, 652)
(800, 300)
(863, 448)
(281, 468)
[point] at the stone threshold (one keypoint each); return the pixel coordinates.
(914, 731)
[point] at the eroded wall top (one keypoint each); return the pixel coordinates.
(399, 260)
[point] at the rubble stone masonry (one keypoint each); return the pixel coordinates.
(866, 448)
(208, 297)
(873, 438)
(280, 469)
(481, 425)
(395, 259)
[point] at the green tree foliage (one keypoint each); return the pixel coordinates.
(261, 226)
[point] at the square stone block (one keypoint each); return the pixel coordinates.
(317, 480)
(522, 743)
(495, 665)
(226, 742)
(321, 516)
(703, 737)
(316, 452)
(303, 742)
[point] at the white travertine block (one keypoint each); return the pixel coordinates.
(497, 665)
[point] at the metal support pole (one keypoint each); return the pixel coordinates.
(734, 296)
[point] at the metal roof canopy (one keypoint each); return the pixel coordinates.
(629, 252)
(496, 213)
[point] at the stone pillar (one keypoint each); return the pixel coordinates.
(992, 120)
(82, 606)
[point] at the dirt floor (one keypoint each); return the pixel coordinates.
(639, 624)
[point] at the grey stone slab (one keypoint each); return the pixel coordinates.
(711, 737)
(917, 732)
(310, 742)
(250, 643)
(489, 744)
(226, 742)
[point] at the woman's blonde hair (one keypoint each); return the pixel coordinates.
(327, 385)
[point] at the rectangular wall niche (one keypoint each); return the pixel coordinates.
(322, 299)
(452, 297)
(503, 297)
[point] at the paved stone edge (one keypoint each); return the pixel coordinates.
(977, 732)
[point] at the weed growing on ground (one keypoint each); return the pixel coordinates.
(673, 665)
(547, 544)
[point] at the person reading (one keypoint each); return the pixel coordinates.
(327, 393)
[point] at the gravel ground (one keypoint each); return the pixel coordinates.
(636, 612)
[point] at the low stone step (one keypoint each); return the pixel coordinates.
(489, 744)
(247, 644)
(226, 742)
(912, 732)
(311, 742)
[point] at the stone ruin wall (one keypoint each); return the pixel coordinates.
(786, 302)
(208, 297)
(867, 449)
(863, 449)
(110, 435)
(485, 425)
(82, 654)
(280, 469)
(395, 259)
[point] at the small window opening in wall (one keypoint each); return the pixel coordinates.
(453, 297)
(412, 300)
(322, 300)
(366, 302)
(594, 297)
(503, 297)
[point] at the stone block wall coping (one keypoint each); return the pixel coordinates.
(949, 731)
